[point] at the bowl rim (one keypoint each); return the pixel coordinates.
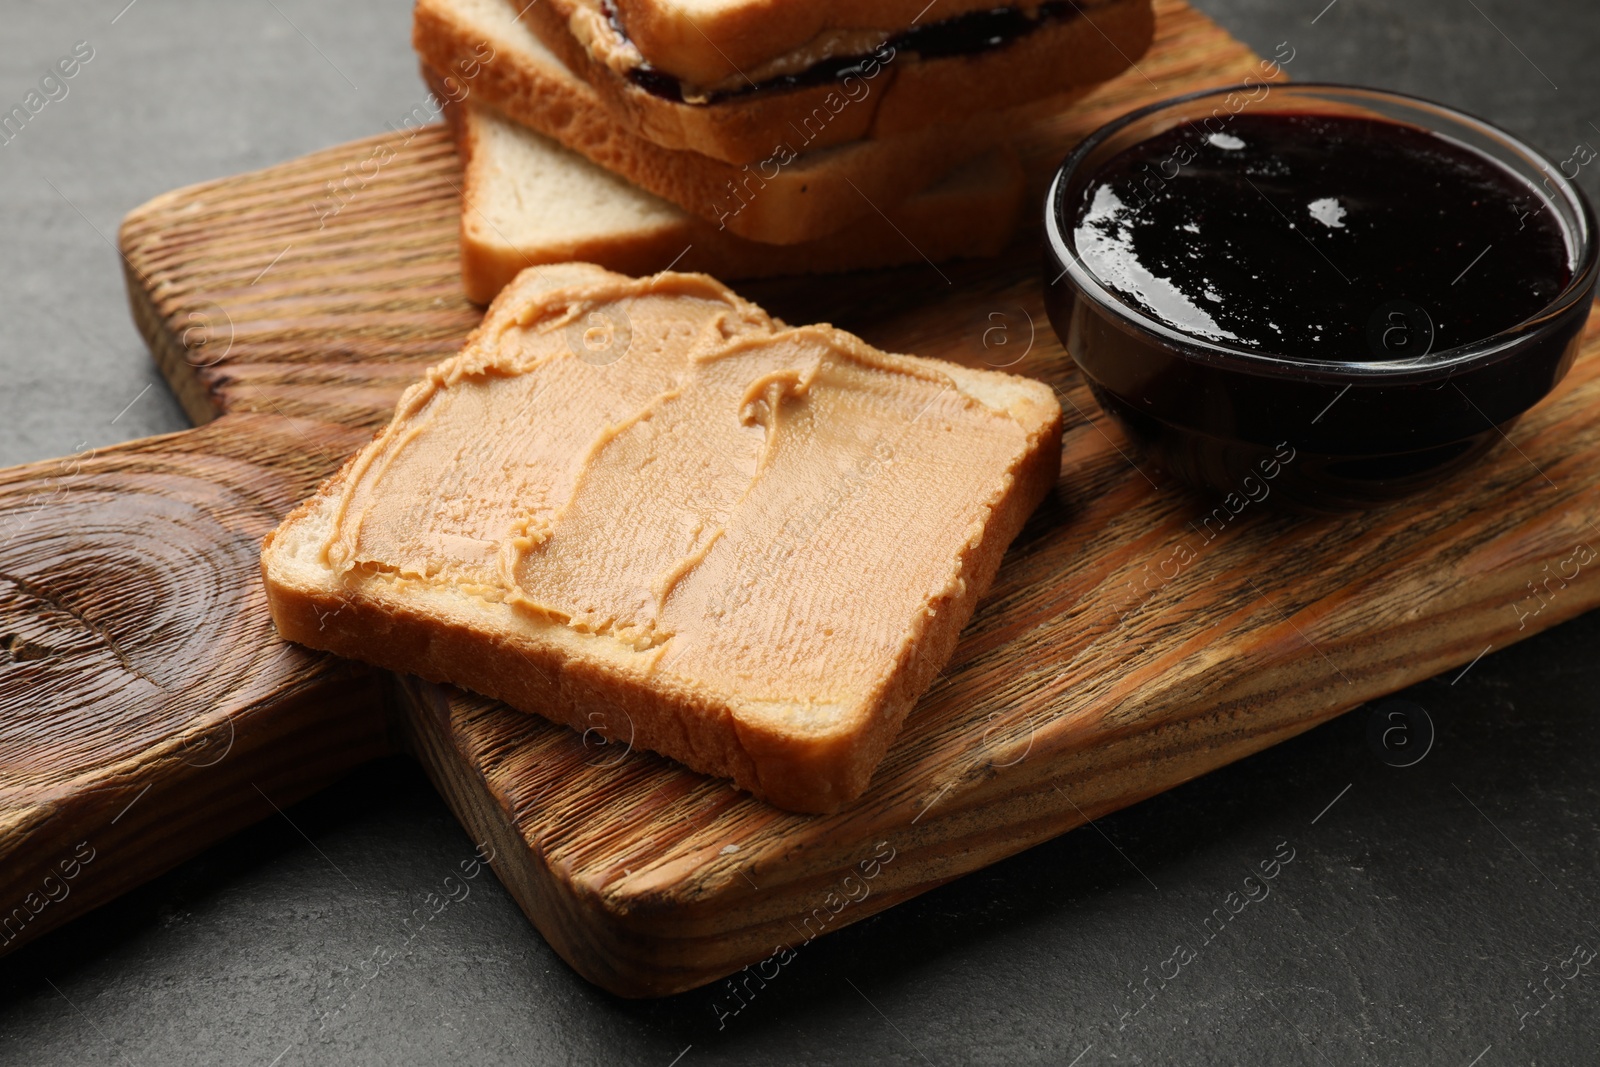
(1066, 263)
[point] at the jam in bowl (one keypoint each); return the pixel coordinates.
(1357, 290)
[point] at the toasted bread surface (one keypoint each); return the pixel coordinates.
(745, 546)
(794, 191)
(893, 91)
(704, 41)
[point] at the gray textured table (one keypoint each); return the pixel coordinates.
(1428, 914)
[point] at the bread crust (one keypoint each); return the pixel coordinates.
(440, 634)
(908, 95)
(1102, 43)
(813, 194)
(938, 225)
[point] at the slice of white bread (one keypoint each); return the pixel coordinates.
(730, 107)
(792, 195)
(644, 507)
(527, 200)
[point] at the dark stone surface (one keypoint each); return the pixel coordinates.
(1415, 919)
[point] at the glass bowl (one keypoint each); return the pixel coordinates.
(1329, 435)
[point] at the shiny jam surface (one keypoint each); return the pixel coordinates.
(1321, 237)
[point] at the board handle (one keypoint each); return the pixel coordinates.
(147, 707)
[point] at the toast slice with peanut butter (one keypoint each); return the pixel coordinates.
(646, 507)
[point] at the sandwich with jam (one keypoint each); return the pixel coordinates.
(719, 76)
(778, 122)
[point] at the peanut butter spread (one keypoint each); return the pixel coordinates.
(764, 510)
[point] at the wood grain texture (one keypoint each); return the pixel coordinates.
(301, 290)
(1067, 698)
(146, 708)
(1096, 672)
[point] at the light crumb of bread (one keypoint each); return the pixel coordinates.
(528, 200)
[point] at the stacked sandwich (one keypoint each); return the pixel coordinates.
(752, 137)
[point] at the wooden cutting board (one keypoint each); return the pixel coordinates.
(1093, 675)
(146, 707)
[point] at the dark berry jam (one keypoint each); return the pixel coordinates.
(1321, 237)
(960, 35)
